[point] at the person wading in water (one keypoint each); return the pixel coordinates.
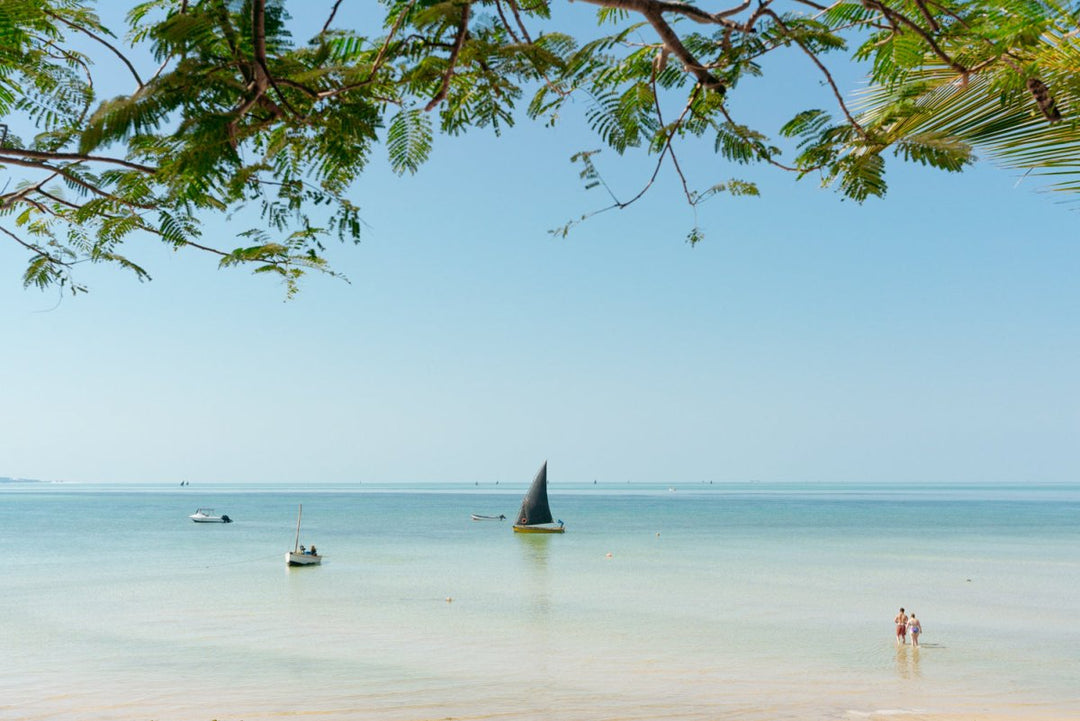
(901, 627)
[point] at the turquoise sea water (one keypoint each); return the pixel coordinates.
(705, 601)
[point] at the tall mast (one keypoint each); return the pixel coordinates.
(296, 546)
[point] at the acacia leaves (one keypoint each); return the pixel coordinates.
(1002, 82)
(408, 140)
(234, 115)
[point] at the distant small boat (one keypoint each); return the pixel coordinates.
(480, 517)
(301, 556)
(535, 513)
(206, 515)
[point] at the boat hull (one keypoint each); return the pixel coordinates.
(207, 515)
(539, 529)
(302, 559)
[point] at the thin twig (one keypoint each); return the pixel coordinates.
(825, 71)
(333, 12)
(671, 135)
(34, 248)
(101, 40)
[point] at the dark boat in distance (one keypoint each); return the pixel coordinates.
(535, 513)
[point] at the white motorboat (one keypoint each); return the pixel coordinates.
(206, 515)
(301, 556)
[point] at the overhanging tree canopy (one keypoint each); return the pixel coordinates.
(226, 110)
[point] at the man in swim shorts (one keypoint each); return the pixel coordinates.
(901, 627)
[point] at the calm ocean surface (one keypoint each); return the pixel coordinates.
(703, 602)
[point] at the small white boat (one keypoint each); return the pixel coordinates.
(481, 517)
(301, 556)
(206, 515)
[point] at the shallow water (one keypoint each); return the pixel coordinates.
(702, 602)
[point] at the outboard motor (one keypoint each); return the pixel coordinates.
(225, 519)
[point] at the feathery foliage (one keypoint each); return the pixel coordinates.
(233, 115)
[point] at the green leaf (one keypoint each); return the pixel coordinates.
(408, 140)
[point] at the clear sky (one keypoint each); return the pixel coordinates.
(930, 336)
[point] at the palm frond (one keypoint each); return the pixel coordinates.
(1022, 110)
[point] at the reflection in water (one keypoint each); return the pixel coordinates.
(537, 583)
(536, 547)
(539, 643)
(907, 662)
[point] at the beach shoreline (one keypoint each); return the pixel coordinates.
(672, 606)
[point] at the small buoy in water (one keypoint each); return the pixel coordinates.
(609, 555)
(449, 600)
(658, 534)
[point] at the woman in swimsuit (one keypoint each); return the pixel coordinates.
(901, 627)
(915, 627)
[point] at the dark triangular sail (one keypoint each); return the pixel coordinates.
(535, 509)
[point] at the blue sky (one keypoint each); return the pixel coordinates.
(930, 336)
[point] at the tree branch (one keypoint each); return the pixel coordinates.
(521, 24)
(74, 157)
(645, 7)
(459, 42)
(74, 179)
(653, 11)
(505, 22)
(894, 16)
(927, 16)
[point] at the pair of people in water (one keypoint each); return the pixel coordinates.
(905, 626)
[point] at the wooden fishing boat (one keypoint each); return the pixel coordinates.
(301, 556)
(535, 514)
